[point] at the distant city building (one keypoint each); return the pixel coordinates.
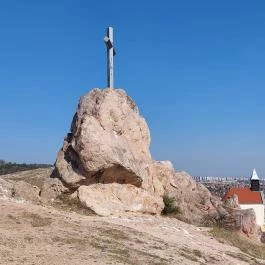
(250, 197)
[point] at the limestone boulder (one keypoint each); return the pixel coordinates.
(19, 191)
(26, 191)
(113, 199)
(108, 142)
(193, 200)
(106, 158)
(241, 220)
(162, 176)
(249, 226)
(51, 189)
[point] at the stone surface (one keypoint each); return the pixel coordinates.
(241, 220)
(5, 189)
(162, 173)
(51, 189)
(113, 199)
(109, 142)
(32, 185)
(238, 219)
(232, 202)
(26, 191)
(249, 226)
(193, 200)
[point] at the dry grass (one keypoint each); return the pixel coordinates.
(114, 243)
(197, 253)
(67, 203)
(244, 244)
(244, 258)
(37, 220)
(194, 255)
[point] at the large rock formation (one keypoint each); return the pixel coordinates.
(193, 200)
(242, 220)
(109, 143)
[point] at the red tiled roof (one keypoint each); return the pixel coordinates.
(245, 195)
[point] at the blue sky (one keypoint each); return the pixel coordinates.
(195, 69)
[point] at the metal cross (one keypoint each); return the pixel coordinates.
(110, 53)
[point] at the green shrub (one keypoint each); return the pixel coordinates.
(170, 207)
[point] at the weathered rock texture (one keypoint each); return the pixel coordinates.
(232, 202)
(19, 191)
(241, 220)
(108, 199)
(31, 185)
(5, 189)
(234, 218)
(193, 200)
(26, 191)
(109, 143)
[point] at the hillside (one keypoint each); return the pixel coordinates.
(34, 177)
(8, 167)
(32, 234)
(56, 235)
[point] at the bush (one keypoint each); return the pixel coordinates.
(170, 207)
(213, 220)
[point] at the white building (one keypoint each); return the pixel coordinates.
(250, 198)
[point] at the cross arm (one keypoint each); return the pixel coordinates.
(109, 44)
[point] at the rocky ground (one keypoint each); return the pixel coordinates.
(35, 234)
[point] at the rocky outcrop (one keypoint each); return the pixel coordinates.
(240, 220)
(5, 189)
(232, 201)
(112, 199)
(109, 142)
(51, 189)
(193, 200)
(19, 191)
(31, 185)
(161, 177)
(235, 218)
(26, 191)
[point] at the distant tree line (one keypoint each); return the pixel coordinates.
(8, 167)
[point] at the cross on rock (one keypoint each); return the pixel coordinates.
(110, 53)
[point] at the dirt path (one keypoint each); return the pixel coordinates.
(32, 234)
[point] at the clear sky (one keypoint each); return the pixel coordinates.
(196, 69)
